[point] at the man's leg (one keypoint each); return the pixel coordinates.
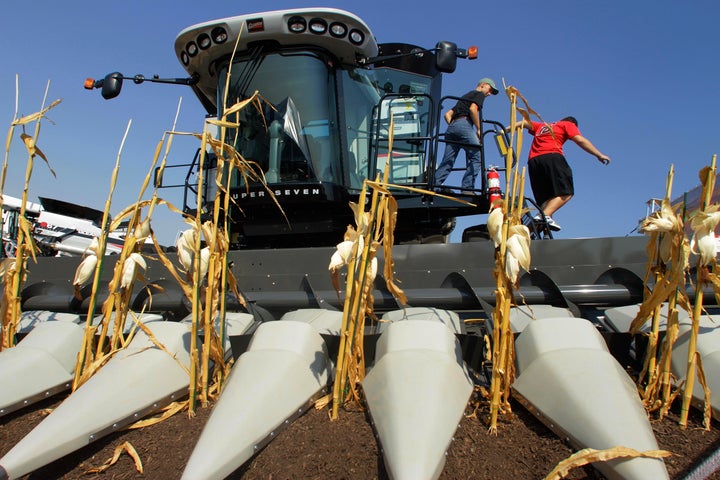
(468, 135)
(472, 157)
(554, 204)
(446, 164)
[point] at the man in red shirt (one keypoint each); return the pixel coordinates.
(550, 175)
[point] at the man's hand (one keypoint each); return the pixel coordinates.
(604, 159)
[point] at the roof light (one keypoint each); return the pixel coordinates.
(255, 25)
(184, 58)
(203, 41)
(219, 35)
(191, 48)
(318, 26)
(356, 37)
(338, 30)
(297, 24)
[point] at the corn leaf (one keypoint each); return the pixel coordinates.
(124, 447)
(35, 116)
(589, 455)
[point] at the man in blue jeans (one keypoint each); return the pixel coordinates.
(464, 133)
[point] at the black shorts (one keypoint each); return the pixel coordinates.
(550, 177)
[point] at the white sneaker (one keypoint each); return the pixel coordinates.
(552, 225)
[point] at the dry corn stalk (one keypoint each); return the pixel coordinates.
(358, 252)
(205, 271)
(350, 365)
(359, 302)
(14, 276)
(703, 223)
(88, 358)
(512, 253)
(219, 278)
(668, 257)
(127, 270)
(202, 254)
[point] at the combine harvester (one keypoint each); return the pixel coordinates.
(328, 133)
(59, 228)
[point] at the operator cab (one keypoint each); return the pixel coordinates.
(330, 93)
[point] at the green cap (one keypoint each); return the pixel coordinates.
(490, 82)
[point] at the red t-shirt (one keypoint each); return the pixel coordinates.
(547, 142)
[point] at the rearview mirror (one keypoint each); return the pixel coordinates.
(112, 84)
(445, 56)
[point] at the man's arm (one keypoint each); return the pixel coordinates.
(586, 145)
(448, 116)
(521, 124)
(475, 118)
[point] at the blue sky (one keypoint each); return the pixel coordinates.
(641, 77)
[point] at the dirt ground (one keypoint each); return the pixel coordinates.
(314, 447)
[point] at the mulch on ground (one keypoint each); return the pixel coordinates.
(314, 447)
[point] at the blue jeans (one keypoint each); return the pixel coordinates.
(463, 131)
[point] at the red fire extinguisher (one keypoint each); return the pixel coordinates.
(493, 185)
